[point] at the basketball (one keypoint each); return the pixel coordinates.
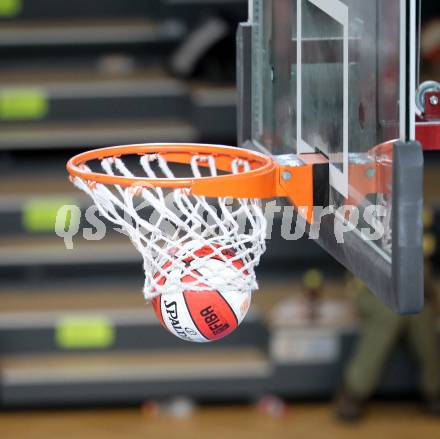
(202, 316)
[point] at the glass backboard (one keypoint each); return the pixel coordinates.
(337, 78)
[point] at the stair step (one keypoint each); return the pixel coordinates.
(98, 316)
(34, 251)
(86, 32)
(116, 9)
(139, 95)
(93, 134)
(132, 377)
(19, 304)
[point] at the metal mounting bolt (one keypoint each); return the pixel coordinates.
(434, 100)
(286, 175)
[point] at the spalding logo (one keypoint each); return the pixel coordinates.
(171, 310)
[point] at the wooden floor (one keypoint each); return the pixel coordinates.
(308, 421)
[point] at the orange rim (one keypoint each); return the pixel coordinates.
(259, 182)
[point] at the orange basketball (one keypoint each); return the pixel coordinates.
(203, 316)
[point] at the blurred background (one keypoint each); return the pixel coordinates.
(75, 332)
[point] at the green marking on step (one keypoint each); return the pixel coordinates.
(84, 332)
(23, 104)
(39, 214)
(10, 8)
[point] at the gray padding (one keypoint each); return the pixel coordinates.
(408, 226)
(244, 82)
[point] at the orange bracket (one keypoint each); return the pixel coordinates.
(297, 181)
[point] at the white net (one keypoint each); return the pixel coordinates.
(179, 234)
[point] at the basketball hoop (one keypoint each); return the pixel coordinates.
(204, 202)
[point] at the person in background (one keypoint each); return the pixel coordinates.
(380, 330)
